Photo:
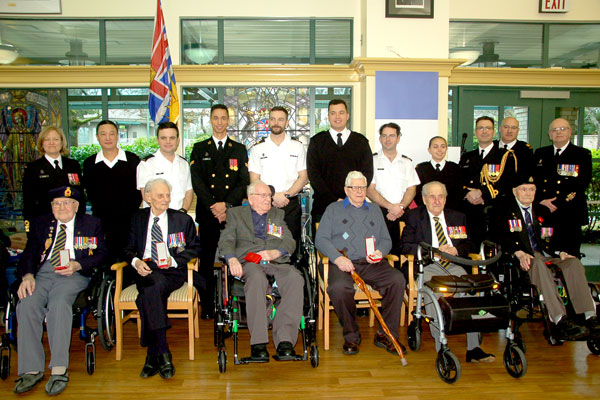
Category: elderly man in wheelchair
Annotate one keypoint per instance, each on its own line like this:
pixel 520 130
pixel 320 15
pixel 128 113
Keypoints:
pixel 522 233
pixel 55 266
pixel 256 243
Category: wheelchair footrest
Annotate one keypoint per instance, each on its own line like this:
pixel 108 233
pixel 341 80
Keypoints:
pixel 295 357
pixel 248 360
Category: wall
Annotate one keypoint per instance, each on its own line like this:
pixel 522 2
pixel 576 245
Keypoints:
pixel 522 10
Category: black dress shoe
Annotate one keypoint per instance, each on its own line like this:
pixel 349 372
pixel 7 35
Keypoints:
pixel 165 366
pixel 569 330
pixel 593 326
pixel 259 352
pixel 285 351
pixel 150 367
pixel 350 348
pixel 477 355
pixel 381 340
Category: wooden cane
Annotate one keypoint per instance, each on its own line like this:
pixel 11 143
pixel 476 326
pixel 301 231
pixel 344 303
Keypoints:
pixel 363 286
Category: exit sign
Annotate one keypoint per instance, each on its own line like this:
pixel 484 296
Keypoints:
pixel 554 6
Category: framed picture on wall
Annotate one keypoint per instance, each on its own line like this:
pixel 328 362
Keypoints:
pixel 409 8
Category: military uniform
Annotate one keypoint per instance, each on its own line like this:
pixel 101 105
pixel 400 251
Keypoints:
pixel 471 165
pixel 217 176
pixel 177 173
pixel 523 152
pixel 565 177
pixel 449 174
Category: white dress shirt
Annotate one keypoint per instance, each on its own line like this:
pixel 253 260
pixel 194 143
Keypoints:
pixel 334 135
pixel 120 157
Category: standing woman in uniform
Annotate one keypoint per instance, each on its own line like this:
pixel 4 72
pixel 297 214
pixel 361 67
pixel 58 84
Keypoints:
pixel 53 169
pixel 110 182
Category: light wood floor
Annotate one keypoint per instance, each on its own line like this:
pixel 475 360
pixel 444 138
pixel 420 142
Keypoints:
pixel 566 372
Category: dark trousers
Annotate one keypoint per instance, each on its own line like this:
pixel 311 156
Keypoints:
pixel 389 282
pixel 154 291
pixel 209 230
pixel 293 218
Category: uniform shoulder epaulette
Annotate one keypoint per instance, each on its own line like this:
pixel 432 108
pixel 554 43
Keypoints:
pixel 148 157
pixel 262 140
pixel 528 145
pixel 375 154
pixel 295 138
pixel 407 157
pixel 182 157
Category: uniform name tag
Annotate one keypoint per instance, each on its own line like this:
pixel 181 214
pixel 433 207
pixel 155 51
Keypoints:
pixel 515 225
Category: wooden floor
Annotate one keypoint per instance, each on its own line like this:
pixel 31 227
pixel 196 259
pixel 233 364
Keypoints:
pixel 566 372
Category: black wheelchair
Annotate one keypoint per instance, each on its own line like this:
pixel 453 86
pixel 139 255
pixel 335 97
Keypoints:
pixel 487 312
pixel 525 296
pixel 230 312
pixel 97 301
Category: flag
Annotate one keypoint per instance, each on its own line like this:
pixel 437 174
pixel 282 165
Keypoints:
pixel 162 101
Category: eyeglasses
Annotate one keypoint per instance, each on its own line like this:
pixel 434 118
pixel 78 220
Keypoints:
pixel 357 188
pixel 510 127
pixel 262 195
pixel 62 203
pixel 559 129
pixel 484 128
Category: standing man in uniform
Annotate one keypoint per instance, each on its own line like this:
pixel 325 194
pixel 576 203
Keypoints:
pixel 563 172
pixel 487 178
pixel 280 161
pixel 332 155
pixel 166 164
pixel 395 182
pixel 509 132
pixel 219 169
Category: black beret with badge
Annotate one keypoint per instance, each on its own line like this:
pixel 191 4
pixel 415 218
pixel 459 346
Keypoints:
pixel 523 179
pixel 68 192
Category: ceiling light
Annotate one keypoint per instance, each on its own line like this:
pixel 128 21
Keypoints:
pixel 198 53
pixel 466 54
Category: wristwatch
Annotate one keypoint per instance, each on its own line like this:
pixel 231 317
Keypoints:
pixel 228 205
pixel 183 210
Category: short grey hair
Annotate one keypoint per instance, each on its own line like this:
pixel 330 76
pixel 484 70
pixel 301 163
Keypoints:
pixel 429 185
pixel 152 182
pixel 252 186
pixel 354 175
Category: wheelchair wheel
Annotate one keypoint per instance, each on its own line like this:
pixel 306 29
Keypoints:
pixel 413 334
pixel 592 344
pixel 5 367
pixel 222 360
pixel 90 362
pixel 314 355
pixel 106 314
pixel 448 366
pixel 515 361
pixel 519 342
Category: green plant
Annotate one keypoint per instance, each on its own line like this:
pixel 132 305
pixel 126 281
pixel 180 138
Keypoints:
pixel 82 152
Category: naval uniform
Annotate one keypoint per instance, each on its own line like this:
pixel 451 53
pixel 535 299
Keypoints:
pixel 523 152
pixel 217 176
pixel 279 165
pixel 566 177
pixel 391 180
pixel 446 172
pixel 177 173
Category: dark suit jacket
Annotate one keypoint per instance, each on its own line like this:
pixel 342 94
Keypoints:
pixel 178 222
pixel 41 239
pixel 418 229
pixel 524 153
pixel 568 190
pixel 450 175
pixel 519 240
pixel 327 166
pixel 238 237
pixel 214 178
pixel 39 177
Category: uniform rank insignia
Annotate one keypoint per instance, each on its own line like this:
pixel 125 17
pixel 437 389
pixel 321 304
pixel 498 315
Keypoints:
pixel 515 225
pixel 274 230
pixel 547 233
pixel 177 240
pixel 457 232
pixel 233 164
pixel 567 170
pixel 73 179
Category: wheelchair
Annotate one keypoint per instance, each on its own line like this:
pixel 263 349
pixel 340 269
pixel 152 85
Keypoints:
pixel 527 296
pixel 230 313
pixel 96 300
pixel 488 312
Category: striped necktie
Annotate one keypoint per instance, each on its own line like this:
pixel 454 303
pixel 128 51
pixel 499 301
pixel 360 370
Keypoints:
pixel 439 231
pixel 157 237
pixel 61 239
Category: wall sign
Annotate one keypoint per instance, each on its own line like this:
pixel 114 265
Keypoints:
pixel 30 6
pixel 554 6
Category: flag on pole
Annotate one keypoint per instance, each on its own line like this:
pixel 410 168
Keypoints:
pixel 162 101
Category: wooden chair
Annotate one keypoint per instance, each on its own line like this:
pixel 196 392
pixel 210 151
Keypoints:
pixel 184 301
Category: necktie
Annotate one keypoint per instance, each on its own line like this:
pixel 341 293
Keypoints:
pixel 557 152
pixel 339 141
pixel 530 229
pixel 481 155
pixel 505 147
pixel 56 165
pixel 157 237
pixel 439 231
pixel 437 167
pixel 220 147
pixel 61 239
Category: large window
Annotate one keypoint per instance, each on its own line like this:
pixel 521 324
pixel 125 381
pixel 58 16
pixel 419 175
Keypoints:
pixel 272 41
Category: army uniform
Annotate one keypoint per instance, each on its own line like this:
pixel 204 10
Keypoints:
pixel 565 177
pixel 217 176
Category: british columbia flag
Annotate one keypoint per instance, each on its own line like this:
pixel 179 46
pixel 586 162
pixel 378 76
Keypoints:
pixel 162 101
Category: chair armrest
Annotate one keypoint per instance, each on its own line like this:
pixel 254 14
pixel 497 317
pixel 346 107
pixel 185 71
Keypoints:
pixel 475 268
pixel 192 266
pixel 118 266
pixel 392 258
pixel 119 279
pixel 325 261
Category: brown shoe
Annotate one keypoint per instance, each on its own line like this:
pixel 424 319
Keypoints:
pixel 381 340
pixel 350 348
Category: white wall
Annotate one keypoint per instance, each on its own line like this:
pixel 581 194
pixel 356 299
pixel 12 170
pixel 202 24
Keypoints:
pixel 522 10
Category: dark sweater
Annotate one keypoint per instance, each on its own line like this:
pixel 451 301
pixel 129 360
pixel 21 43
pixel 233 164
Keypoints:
pixel 450 176
pixel 327 166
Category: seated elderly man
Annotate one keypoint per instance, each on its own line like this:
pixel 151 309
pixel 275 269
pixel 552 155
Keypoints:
pixel 522 233
pixel 153 230
pixel 446 230
pixel 55 266
pixel 345 229
pixel 260 229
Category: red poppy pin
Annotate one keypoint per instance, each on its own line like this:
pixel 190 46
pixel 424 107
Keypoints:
pixel 540 220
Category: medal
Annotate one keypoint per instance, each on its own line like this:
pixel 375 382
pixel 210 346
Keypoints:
pixel 515 225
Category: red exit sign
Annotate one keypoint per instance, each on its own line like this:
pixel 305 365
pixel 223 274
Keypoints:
pixel 554 6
